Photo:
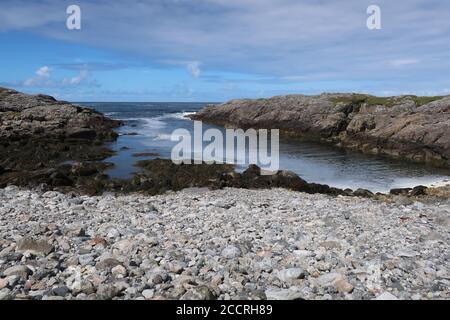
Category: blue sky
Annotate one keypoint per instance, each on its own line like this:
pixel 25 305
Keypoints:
pixel 216 50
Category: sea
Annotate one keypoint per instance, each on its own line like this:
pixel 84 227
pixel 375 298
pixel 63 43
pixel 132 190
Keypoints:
pixel 148 127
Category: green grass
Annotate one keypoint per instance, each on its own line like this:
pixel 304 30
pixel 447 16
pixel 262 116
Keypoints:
pixel 359 99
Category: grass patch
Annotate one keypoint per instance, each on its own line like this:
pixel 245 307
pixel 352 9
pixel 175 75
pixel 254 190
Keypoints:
pixel 359 99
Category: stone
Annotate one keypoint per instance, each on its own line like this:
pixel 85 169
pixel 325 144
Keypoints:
pixel 3 283
pixel 343 286
pixel 5 294
pixel 283 294
pixel 82 286
pixel 302 254
pixel 36 247
pixel 20 270
pixel 119 271
pixel 106 291
pixel 400 191
pixel 406 253
pixel 419 191
pixel 176 267
pixel 107 263
pixel 230 252
pixel 386 296
pixel 199 293
pixel 363 193
pixel 61 291
pixel 328 279
pixel 290 274
pixel 148 294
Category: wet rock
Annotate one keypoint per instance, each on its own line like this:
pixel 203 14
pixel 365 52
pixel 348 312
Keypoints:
pixel 363 193
pixel 400 191
pixel 419 191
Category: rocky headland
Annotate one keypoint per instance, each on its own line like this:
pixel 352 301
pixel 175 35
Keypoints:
pixel 407 127
pixel 39 133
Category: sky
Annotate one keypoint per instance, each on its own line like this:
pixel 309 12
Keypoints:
pixel 217 50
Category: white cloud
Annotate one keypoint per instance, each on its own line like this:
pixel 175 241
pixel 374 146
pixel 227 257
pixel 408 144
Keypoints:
pixel 403 62
pixel 43 72
pixel 194 68
pixel 78 79
pixel 41 78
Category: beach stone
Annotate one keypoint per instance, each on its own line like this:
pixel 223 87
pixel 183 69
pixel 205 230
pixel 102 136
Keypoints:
pixel 329 279
pixel 119 271
pixel 386 296
pixel 3 283
pixel 20 270
pixel 283 294
pixel 5 294
pixel 290 274
pixel 231 252
pixel 302 254
pixel 148 294
pixel 33 246
pixel 107 263
pixel 106 291
pixel 199 293
pixel 406 253
pixel 343 286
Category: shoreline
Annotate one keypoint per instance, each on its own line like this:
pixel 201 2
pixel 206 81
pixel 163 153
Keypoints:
pixel 70 156
pixel 221 244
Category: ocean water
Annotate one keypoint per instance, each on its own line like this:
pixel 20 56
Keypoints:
pixel 148 128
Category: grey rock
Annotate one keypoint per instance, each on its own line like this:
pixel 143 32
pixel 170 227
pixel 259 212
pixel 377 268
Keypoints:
pixel 231 252
pixel 283 294
pixel 21 271
pixel 290 274
pixel 36 247
pixel 199 293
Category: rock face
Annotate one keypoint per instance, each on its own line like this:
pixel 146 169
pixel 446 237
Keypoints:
pixel 25 116
pixel 415 128
pixel 38 133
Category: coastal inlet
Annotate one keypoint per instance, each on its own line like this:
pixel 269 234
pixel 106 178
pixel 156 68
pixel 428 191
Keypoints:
pixel 148 127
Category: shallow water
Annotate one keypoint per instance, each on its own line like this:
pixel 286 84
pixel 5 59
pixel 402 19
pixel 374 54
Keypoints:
pixel 153 124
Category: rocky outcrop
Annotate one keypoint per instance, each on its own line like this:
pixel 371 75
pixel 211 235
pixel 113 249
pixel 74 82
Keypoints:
pixel 39 133
pixel 410 127
pixel 25 116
